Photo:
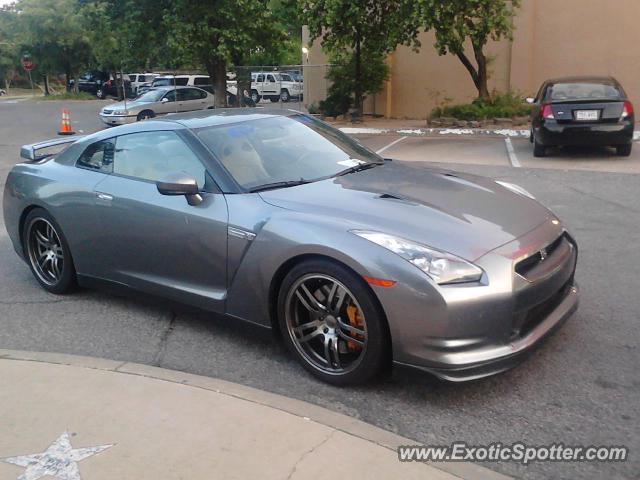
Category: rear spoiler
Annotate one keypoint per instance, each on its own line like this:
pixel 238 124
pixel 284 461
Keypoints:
pixel 30 152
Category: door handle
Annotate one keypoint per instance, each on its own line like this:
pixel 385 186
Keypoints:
pixel 104 196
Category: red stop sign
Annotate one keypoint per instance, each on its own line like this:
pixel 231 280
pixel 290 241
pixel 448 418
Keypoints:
pixel 27 63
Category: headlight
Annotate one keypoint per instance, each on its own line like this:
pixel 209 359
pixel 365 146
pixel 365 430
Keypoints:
pixel 515 188
pixel 442 267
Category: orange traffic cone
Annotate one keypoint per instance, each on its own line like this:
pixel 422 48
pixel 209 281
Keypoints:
pixel 65 124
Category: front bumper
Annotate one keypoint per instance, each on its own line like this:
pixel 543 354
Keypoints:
pixel 553 133
pixel 113 120
pixel 466 332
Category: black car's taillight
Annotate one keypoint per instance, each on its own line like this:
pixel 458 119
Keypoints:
pixel 627 109
pixel 545 111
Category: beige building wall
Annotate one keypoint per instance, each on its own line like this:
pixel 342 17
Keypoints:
pixel 552 38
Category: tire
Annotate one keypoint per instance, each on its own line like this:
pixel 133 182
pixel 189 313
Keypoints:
pixel 333 351
pixel 531 136
pixel 274 99
pixel 255 97
pixel 143 115
pixel 624 150
pixel 539 150
pixel 56 273
pixel 101 94
pixel 284 96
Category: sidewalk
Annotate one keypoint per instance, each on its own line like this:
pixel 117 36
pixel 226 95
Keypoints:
pixel 102 419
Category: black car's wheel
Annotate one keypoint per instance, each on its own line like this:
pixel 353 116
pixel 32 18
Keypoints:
pixel 254 96
pixel 143 115
pixel 48 253
pixel 531 136
pixel 101 94
pixel 624 150
pixel 331 322
pixel 539 150
pixel 284 96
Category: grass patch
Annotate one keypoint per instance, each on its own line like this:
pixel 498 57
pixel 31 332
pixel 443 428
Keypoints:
pixel 503 105
pixel 70 96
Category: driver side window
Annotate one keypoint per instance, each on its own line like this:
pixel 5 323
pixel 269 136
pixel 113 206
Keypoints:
pixel 151 156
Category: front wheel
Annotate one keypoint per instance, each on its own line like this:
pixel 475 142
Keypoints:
pixel 48 253
pixel 284 96
pixel 624 150
pixel 101 94
pixel 143 115
pixel 332 323
pixel 254 96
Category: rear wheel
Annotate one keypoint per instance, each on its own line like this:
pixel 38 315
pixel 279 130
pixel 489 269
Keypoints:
pixel 254 96
pixel 100 93
pixel 624 150
pixel 284 96
pixel 539 150
pixel 332 323
pixel 48 253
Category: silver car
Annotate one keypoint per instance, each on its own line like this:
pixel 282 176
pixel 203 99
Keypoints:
pixel 275 218
pixel 157 101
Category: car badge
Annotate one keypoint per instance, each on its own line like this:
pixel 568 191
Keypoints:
pixel 543 254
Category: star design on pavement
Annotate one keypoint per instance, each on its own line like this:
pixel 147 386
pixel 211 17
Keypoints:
pixel 58 461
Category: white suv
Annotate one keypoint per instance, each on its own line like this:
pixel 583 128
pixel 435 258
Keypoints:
pixel 275 86
pixel 138 79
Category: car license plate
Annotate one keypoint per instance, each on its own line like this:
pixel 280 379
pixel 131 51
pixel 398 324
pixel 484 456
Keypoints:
pixel 586 114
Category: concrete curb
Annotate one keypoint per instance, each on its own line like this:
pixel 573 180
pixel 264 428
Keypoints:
pixel 449 132
pixel 343 423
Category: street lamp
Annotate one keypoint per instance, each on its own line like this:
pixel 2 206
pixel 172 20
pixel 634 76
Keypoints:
pixel 305 52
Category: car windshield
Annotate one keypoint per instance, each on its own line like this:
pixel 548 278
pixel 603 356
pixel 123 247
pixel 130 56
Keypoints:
pixel 584 91
pixel 150 96
pixel 284 149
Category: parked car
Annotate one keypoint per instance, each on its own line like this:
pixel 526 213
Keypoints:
pixel 102 84
pixel 157 101
pixel 201 81
pixel 278 219
pixel 274 86
pixel 591 111
pixel 139 79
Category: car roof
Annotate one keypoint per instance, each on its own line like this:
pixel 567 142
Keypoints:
pixel 605 80
pixel 176 87
pixel 224 116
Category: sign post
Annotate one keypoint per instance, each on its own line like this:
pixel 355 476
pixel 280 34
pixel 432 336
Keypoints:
pixel 28 65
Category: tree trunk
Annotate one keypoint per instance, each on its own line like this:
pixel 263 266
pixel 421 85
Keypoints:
pixel 358 77
pixel 45 78
pixel 217 70
pixel 482 77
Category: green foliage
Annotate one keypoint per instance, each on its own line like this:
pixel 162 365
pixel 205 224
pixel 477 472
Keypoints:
pixel 340 97
pixel 507 105
pixel 477 21
pixel 70 96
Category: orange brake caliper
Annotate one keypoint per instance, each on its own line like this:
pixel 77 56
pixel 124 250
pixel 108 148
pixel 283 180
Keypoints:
pixel 355 319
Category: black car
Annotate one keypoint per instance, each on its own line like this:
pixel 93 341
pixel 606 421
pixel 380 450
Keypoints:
pixel 576 111
pixel 102 84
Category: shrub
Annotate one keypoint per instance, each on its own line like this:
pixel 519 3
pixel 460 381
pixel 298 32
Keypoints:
pixel 69 96
pixel 506 105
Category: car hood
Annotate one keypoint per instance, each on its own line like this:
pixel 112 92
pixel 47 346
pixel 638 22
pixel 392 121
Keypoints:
pixel 463 214
pixel 130 105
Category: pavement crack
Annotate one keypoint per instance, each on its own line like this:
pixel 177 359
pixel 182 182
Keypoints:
pixel 309 452
pixel 164 340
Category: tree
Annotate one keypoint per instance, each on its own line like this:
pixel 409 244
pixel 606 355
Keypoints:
pixel 53 32
pixel 456 22
pixel 214 33
pixel 374 26
pixel 9 56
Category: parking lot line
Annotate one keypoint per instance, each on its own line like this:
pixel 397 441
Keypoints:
pixel 390 145
pixel 512 154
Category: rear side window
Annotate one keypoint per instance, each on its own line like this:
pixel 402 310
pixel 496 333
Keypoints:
pixel 182 81
pixel 201 81
pixel 584 91
pixel 98 156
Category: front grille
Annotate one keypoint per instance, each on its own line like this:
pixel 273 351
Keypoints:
pixel 525 266
pixel 538 313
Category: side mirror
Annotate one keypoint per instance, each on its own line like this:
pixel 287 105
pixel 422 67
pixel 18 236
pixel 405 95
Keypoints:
pixel 530 100
pixel 180 184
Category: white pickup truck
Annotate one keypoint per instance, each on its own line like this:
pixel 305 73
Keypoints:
pixel 275 86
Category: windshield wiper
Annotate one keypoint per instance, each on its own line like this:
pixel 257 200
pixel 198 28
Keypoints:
pixel 284 184
pixel 357 168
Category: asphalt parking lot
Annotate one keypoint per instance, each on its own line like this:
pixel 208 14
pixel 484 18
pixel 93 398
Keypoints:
pixel 581 388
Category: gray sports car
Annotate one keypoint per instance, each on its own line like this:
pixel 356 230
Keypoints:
pixel 275 218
